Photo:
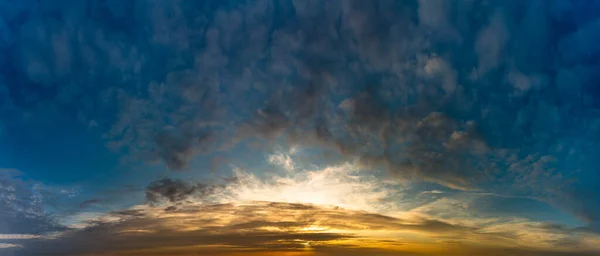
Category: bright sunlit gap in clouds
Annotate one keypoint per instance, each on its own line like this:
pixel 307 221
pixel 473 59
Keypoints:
pixel 311 210
pixel 344 186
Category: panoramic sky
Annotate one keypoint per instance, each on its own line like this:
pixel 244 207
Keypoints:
pixel 305 127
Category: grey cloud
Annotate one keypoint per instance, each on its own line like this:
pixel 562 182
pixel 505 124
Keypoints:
pixel 175 191
pixel 128 213
pixel 490 44
pixel 437 149
pixel 89 202
pixel 176 150
pixel 171 190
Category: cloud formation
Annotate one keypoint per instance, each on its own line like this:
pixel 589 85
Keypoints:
pixel 174 191
pixel 280 227
pixel 22 211
pixel 471 95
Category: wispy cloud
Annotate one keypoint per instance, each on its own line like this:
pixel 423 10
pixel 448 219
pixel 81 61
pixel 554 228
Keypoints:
pixel 17 236
pixel 283 160
pixel 23 208
pixel 8 246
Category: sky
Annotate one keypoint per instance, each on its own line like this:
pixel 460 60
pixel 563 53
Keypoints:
pixel 299 127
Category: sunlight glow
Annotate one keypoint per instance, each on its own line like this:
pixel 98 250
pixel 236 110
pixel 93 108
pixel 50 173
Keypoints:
pixel 342 186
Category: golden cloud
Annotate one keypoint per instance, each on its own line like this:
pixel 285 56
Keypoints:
pixel 259 227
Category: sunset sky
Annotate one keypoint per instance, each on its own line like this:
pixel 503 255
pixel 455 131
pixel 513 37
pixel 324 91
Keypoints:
pixel 304 127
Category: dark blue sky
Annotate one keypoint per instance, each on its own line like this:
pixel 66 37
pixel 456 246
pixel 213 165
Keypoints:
pixel 492 103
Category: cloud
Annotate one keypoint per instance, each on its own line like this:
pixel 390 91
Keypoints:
pixel 259 226
pixel 89 202
pixel 174 191
pixel 219 224
pixel 490 44
pixel 297 212
pixel 17 236
pixel 282 160
pixel 342 185
pixel 22 208
pixel 457 94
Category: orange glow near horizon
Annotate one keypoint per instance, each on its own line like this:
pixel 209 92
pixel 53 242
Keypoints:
pixel 338 210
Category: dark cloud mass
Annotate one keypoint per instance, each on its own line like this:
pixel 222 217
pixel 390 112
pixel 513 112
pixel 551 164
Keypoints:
pixel 174 191
pixel 500 95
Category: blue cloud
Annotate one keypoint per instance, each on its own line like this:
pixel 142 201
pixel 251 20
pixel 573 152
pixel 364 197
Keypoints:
pixel 22 207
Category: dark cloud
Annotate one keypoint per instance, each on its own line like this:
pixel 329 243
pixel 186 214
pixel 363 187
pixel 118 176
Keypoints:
pixel 89 202
pixel 175 191
pixel 175 150
pixel 171 190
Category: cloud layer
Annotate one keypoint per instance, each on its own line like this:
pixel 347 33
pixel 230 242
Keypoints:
pixel 335 210
pixel 489 96
pixel 285 227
